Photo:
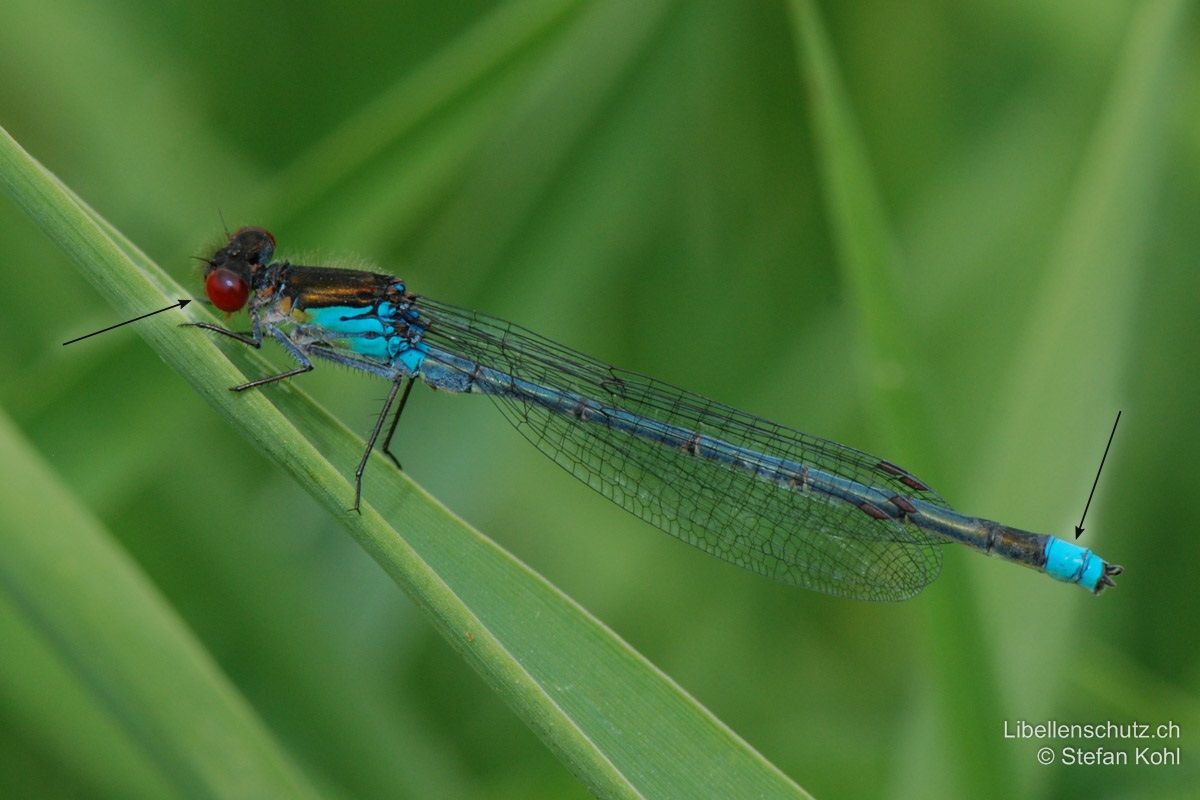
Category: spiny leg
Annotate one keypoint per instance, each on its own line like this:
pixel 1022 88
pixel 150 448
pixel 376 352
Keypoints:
pixel 294 351
pixel 252 338
pixel 387 441
pixel 255 340
pixel 362 462
pixel 291 373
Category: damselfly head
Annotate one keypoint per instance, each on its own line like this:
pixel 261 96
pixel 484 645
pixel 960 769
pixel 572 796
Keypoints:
pixel 230 273
pixel 253 245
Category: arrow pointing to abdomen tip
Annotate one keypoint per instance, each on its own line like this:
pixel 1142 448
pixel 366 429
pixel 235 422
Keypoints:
pixel 1079 527
pixel 180 304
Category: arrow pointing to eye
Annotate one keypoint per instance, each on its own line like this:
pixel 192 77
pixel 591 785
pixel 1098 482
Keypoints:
pixel 180 304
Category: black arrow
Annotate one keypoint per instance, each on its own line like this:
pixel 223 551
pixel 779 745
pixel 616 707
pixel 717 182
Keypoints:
pixel 180 304
pixel 1079 527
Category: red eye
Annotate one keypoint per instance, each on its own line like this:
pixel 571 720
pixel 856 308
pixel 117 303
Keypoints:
pixel 227 290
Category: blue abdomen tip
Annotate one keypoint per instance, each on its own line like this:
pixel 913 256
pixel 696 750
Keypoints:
pixel 1075 564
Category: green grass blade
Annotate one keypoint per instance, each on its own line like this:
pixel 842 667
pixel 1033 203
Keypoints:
pixel 622 726
pixel 1078 339
pixel 965 690
pixel 119 638
pixel 477 56
pixel 869 257
pixel 66 45
pixel 1089 285
pixel 74 729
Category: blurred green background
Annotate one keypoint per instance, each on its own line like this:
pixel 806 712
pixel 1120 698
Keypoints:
pixel 964 250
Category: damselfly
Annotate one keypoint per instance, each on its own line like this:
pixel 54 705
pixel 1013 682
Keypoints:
pixel 785 504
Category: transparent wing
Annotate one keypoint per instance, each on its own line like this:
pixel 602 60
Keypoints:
pixel 804 538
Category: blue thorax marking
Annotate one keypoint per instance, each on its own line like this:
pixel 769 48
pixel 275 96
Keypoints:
pixel 372 331
pixel 412 356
